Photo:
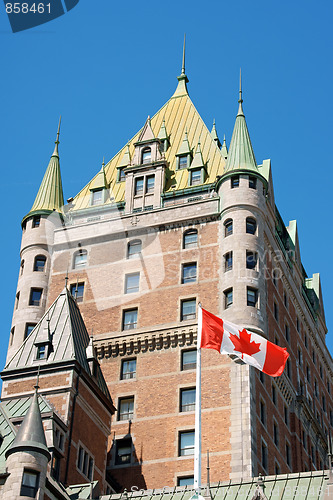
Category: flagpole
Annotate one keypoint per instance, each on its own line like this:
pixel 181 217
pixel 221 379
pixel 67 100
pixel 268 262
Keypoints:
pixel 197 433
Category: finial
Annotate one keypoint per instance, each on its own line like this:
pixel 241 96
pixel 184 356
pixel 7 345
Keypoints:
pixel 240 100
pixel 37 380
pixel 55 152
pixel 183 61
pixel 103 162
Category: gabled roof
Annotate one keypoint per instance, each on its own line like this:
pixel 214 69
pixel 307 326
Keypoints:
pixel 69 339
pixel 177 115
pixel 50 195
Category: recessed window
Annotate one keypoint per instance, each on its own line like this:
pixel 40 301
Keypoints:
pixel 134 249
pixel 186 443
pixel 228 261
pixel 189 272
pixel 251 259
pixel 251 225
pixel 29 485
pixel 126 408
pixel 288 365
pixel 182 161
pixel 262 377
pixel 35 296
pixel 276 311
pixel 228 298
pixel 308 374
pixel 146 155
pixel 252 182
pixel 306 340
pixel 138 186
pixel 228 227
pixel 41 351
pixel 264 455
pixel 85 463
pixel 287 332
pixel 274 398
pixel 185 481
pixel 277 469
pixel 286 416
pixel 22 267
pixel 36 221
pixel 235 181
pixel 275 434
pixel 187 400
pixel 285 300
pixel 297 324
pixel 97 197
pixel 132 282
pixel 130 319
pixel 288 455
pixel 12 331
pixel 188 309
pixel 128 369
pixel 80 259
pixel 17 300
pixel 252 297
pixel 123 451
pixel 189 359
pixel 121 175
pixel 275 277
pixel 300 357
pixel 39 264
pixel 150 183
pixel 195 176
pixel 190 239
pixel 262 412
pixel 28 329
pixel 77 291
pixel 55 467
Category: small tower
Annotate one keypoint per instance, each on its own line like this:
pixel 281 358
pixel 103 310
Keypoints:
pixel 27 457
pixel 36 249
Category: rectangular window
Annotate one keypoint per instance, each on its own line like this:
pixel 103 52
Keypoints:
pixel 288 369
pixel 285 300
pixel 121 175
pixel 275 434
pixel 288 456
pixel 182 161
pixel 186 443
pixel 252 297
pixel 80 260
pixel 123 451
pixel 188 309
pixel 286 416
pixel 132 283
pixel 276 311
pixel 150 183
pixel 128 369
pixel 287 332
pixel 185 481
pixel 97 197
pixel 228 227
pixel 251 259
pixel 77 291
pixel 235 181
pixel 196 176
pixel 252 182
pixel 189 273
pixel 130 319
pixel 187 400
pixel 55 467
pixel 29 486
pixel 264 455
pixel 228 261
pixel 39 264
pixel 262 412
pixel 36 221
pixel 35 296
pixel 28 329
pixel 191 238
pixel 228 298
pixel 126 408
pixel 41 351
pixel 300 357
pixel 274 398
pixel 189 359
pixel 138 187
pixel 134 249
pixel 297 324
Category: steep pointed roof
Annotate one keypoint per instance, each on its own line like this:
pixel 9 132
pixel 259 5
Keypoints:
pixel 179 114
pixel 198 159
pixel 224 148
pixel 126 159
pixel 241 155
pixel 146 133
pixel 69 339
pixel 163 135
pixel 99 182
pixel 185 147
pixel 50 194
pixel 215 135
pixel 31 436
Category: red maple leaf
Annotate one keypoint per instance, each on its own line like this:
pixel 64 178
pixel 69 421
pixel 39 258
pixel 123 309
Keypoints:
pixel 243 343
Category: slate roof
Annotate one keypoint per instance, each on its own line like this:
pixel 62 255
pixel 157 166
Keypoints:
pixel 63 325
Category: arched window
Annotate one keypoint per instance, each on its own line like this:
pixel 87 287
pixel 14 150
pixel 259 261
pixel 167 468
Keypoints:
pixel 146 155
pixel 134 249
pixel 228 227
pixel 80 259
pixel 190 238
pixel 39 264
pixel 251 225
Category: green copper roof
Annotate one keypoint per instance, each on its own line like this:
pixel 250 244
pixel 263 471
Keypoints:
pixel 241 155
pixel 50 195
pixel 214 135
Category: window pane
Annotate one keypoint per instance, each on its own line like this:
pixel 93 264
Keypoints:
pixel 190 239
pixel 251 260
pixel 39 263
pixel 228 261
pixel 80 260
pixel 251 225
pixel 150 183
pixel 132 283
pixel 35 297
pixel 252 182
pixel 185 481
pixel 128 369
pixel 126 409
pixel 97 197
pixel 138 186
pixel 189 273
pixel 189 359
pixel 186 443
pixel 41 352
pixel 28 329
pixel 235 181
pixel 252 297
pixel 36 221
pixel 77 291
pixel 228 227
pixel 124 450
pixel 134 249
pixel 187 400
pixel 188 309
pixel 228 298
pixel 130 319
pixel 196 176
pixel 182 161
pixel 121 175
pixel 146 155
pixel 30 479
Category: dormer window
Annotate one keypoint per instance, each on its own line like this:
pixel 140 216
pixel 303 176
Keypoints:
pixel 41 351
pixel 121 175
pixel 183 161
pixel 97 197
pixel 195 176
pixel 146 155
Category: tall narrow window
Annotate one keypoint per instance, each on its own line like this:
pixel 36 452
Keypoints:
pixel 228 298
pixel 138 187
pixel 17 300
pixel 287 332
pixel 126 408
pixel 228 227
pixel 263 412
pixel 29 486
pixel 288 456
pixel 264 455
pixel 186 443
pixel 251 259
pixel 274 399
pixel 276 311
pixel 39 264
pixel 189 273
pixel 121 175
pixel 36 221
pixel 22 267
pixel 80 259
pixel 228 261
pixel 150 183
pixel 252 182
pixel 188 309
pixel 252 297
pixel 235 181
pixel 251 225
pixel 132 282
pixel 134 249
pixel 130 319
pixel 41 351
pixel 275 434
pixel 190 239
pixel 35 296
pixel 187 400
pixel 128 369
pixel 146 155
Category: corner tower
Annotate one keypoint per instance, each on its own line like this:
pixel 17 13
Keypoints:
pixel 36 249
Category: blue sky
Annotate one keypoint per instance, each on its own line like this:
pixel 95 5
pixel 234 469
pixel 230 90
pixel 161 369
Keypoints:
pixel 106 65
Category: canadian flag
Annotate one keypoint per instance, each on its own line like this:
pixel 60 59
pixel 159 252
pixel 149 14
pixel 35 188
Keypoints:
pixel 228 338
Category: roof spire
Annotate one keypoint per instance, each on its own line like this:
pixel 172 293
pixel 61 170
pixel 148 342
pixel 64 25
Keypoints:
pixel 214 135
pixel 183 62
pixel 240 100
pixel 182 79
pixel 56 152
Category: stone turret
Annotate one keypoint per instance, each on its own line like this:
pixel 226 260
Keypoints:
pixel 36 249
